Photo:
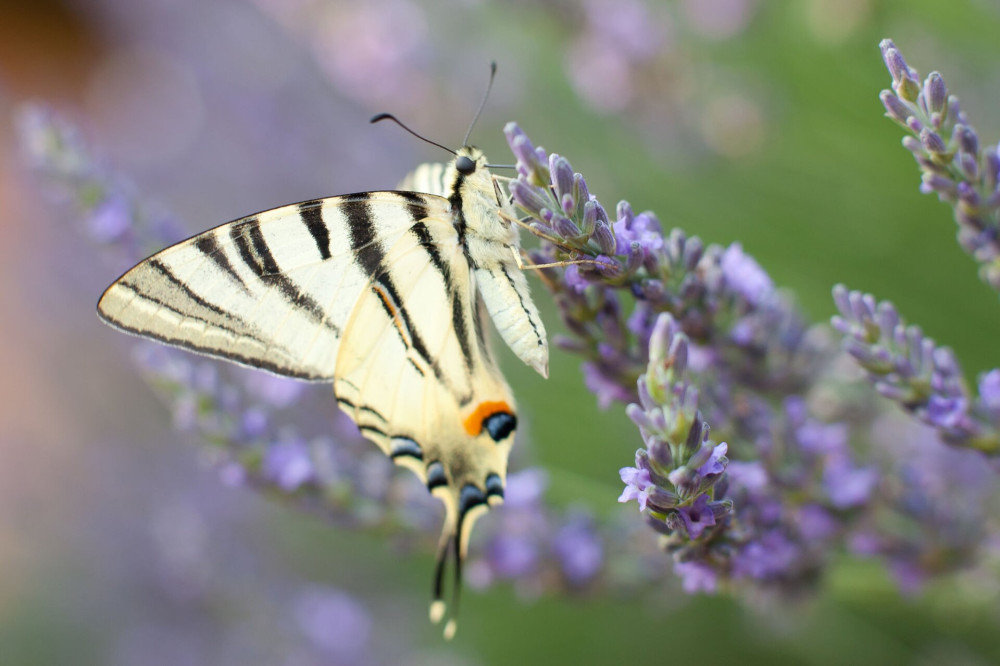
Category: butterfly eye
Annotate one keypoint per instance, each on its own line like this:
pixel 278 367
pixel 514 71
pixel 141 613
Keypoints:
pixel 465 166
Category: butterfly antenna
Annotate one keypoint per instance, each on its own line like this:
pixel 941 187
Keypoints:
pixel 482 104
pixel 389 116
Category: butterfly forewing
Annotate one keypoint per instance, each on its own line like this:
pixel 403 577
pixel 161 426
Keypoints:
pixel 271 290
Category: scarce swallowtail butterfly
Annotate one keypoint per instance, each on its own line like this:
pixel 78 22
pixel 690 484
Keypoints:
pixel 383 294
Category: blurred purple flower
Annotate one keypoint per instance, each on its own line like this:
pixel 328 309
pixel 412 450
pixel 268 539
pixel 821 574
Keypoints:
pixel 849 486
pixel 744 275
pixel 697 577
pixel 579 549
pixel 334 622
pixel 288 464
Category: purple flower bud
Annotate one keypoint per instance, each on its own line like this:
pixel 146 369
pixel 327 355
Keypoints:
pixel 967 139
pixel 915 125
pixel 580 188
pixel 625 215
pixel 635 257
pixel 603 235
pixel 661 500
pixel 932 141
pixel 527 155
pixel 894 61
pixel 847 486
pixel 935 93
pixel 565 227
pixel 639 417
pixel 968 195
pixel 568 204
pixel 659 452
pixel 932 182
pixel 912 145
pixel 895 108
pixel 562 175
pixel 697 434
pixel 530 198
pixel 991 169
pixel 969 166
pixel 588 220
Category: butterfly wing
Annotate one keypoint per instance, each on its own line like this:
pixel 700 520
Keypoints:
pixel 272 290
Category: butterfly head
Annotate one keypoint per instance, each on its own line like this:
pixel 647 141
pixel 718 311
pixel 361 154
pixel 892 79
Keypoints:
pixel 469 161
pixel 469 480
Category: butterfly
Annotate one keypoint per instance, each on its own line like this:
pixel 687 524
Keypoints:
pixel 384 294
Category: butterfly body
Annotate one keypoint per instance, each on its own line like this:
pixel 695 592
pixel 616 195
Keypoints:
pixel 384 294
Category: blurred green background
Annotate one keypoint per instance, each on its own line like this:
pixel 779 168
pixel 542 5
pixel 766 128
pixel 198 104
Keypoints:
pixel 756 121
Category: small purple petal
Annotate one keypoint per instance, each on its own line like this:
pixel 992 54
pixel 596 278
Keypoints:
pixel 717 463
pixel 697 517
pixel 637 485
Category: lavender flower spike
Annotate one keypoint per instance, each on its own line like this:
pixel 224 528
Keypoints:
pixel 912 370
pixel 675 477
pixel 948 151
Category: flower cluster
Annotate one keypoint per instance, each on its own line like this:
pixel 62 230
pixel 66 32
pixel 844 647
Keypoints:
pixel 708 339
pixel 954 165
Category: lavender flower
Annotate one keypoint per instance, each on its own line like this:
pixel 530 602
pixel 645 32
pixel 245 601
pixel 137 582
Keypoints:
pixel 912 370
pixel 709 339
pixel 111 214
pixel 953 163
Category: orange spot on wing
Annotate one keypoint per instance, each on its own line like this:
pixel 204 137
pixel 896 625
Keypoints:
pixel 474 422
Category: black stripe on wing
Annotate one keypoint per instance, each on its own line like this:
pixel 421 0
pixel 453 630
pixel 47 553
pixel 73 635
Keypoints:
pixel 255 253
pixel 370 257
pixel 527 313
pixel 209 246
pixel 195 298
pixel 311 213
pixel 426 241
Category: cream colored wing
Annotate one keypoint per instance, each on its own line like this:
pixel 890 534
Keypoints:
pixel 272 290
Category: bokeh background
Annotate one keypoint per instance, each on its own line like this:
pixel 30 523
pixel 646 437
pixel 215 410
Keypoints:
pixel 746 120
